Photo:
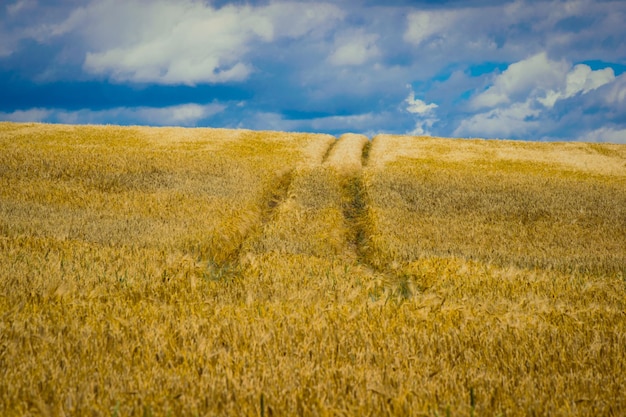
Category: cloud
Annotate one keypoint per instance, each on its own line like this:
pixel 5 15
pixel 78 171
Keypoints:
pixel 520 103
pixel 418 106
pixel 422 25
pixel 184 114
pixel 580 79
pixel 184 42
pixel 12 33
pixel 521 69
pixel 20 6
pixel 424 112
pixel 364 123
pixel 536 73
pixel 293 19
pixel 583 79
pixel 354 48
pixel 513 121
pixel 616 96
pixel 510 31
pixel 544 79
pixel 30 115
pixel 180 115
pixel 348 123
pixel 605 134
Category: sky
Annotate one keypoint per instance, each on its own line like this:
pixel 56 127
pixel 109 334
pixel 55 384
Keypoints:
pixel 523 69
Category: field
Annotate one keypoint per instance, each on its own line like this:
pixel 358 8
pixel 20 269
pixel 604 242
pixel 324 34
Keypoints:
pixel 169 271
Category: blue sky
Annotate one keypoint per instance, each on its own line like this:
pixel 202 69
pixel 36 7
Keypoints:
pixel 534 70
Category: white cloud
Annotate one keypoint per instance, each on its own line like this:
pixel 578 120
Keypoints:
pixel 181 44
pixel 424 113
pixel 516 120
pixel 520 101
pixel 510 31
pixel 422 127
pixel 456 34
pixel 179 115
pixel 583 79
pixel 291 19
pixel 349 122
pixel 536 73
pixel 616 96
pixel 184 42
pixel 30 115
pixel 422 25
pixel 339 56
pixel 580 79
pixel 418 106
pixel 20 6
pixel 546 80
pixel 365 123
pixel 354 48
pixel 605 134
pixel 184 114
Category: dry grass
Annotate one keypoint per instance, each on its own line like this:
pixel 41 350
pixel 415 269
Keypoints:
pixel 205 272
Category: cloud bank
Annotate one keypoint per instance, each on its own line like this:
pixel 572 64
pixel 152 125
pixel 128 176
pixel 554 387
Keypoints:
pixel 180 115
pixel 520 69
pixel 522 99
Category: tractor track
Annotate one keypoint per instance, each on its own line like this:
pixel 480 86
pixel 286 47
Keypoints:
pixel 355 211
pixel 328 151
pixel 275 195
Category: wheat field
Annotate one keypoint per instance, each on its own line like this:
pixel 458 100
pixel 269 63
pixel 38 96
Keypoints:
pixel 170 271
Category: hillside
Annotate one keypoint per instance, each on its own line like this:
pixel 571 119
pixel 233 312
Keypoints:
pixel 171 271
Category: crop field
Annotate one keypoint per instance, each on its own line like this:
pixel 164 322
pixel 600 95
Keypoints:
pixel 170 271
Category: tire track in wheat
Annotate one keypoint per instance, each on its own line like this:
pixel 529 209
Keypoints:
pixel 348 158
pixel 328 152
pixel 280 197
pixel 273 194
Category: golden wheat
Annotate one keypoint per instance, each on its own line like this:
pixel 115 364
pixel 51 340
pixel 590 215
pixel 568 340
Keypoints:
pixel 346 156
pixel 211 272
pixel 425 201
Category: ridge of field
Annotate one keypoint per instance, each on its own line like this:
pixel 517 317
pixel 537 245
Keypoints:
pixel 167 271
